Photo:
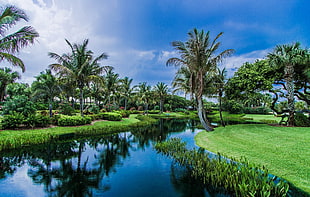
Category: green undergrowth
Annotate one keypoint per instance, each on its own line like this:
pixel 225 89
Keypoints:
pixel 283 150
pixel 10 139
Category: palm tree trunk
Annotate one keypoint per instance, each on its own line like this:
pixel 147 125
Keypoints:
pixel 289 72
pixel 202 117
pixel 220 109
pixel 81 102
pixel 161 105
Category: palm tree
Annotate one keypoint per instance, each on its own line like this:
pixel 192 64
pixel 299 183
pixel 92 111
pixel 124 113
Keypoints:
pixel 198 54
pixel 47 87
pixel 12 43
pixel 288 56
pixel 111 84
pixel 144 94
pixel 7 76
pixel 79 66
pixel 161 90
pixel 127 90
pixel 220 83
pixel 182 82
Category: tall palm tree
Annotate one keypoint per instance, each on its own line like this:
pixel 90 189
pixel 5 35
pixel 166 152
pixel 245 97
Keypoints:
pixel 198 54
pixel 79 66
pixel 47 87
pixel 288 56
pixel 220 83
pixel 111 85
pixel 12 43
pixel 161 90
pixel 182 82
pixel 127 90
pixel 7 76
pixel 144 94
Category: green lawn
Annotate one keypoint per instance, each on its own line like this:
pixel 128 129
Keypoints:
pixel 285 151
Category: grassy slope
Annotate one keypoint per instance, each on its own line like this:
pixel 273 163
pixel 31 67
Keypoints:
pixel 285 151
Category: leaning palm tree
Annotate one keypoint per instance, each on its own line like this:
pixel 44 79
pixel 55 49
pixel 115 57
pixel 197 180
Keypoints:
pixel 12 43
pixel 161 90
pixel 288 56
pixel 79 66
pixel 198 54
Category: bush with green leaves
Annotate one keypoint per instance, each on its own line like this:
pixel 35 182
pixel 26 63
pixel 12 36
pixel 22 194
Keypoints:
pixel 65 120
pixel 66 109
pixel 112 116
pixel 301 120
pixel 19 104
pixel 94 109
pixel 124 113
pixel 232 107
pixel 37 120
pixel 12 121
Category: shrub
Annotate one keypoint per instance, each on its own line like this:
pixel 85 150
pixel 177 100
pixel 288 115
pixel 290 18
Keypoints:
pixel 37 121
pixel 256 110
pixel 74 120
pixel 66 109
pixel 233 107
pixel 124 113
pixel 301 120
pixel 94 109
pixel 111 116
pixel 154 111
pixel 20 104
pixel 12 121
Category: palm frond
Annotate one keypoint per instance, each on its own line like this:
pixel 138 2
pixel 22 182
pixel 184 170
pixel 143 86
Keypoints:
pixel 15 61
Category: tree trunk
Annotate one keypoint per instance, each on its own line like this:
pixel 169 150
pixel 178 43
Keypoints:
pixel 161 105
pixel 202 117
pixel 220 109
pixel 289 72
pixel 81 102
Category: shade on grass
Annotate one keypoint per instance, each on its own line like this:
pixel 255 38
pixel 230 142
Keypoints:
pixel 285 151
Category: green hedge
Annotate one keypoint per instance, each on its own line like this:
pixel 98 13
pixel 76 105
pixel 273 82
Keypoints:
pixel 73 120
pixel 17 120
pixel 111 116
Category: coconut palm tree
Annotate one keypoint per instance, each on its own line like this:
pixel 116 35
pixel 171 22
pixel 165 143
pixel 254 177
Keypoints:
pixel 7 76
pixel 198 54
pixel 12 43
pixel 127 90
pixel 182 82
pixel 111 85
pixel 144 94
pixel 287 57
pixel 47 87
pixel 79 67
pixel 219 84
pixel 161 90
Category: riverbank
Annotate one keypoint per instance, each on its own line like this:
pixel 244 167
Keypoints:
pixel 18 138
pixel 283 150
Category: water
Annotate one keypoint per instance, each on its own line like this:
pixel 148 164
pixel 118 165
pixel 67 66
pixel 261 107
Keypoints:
pixel 124 165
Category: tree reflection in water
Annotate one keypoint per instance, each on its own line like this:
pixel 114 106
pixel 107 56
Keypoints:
pixel 79 167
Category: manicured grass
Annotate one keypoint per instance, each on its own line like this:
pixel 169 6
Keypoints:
pixel 285 151
pixel 18 138
pixel 259 117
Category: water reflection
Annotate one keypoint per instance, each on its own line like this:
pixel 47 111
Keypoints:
pixel 88 167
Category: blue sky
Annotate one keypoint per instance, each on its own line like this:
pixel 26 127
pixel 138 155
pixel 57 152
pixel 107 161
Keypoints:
pixel 136 34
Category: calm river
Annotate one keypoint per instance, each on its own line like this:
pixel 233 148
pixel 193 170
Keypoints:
pixel 122 165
